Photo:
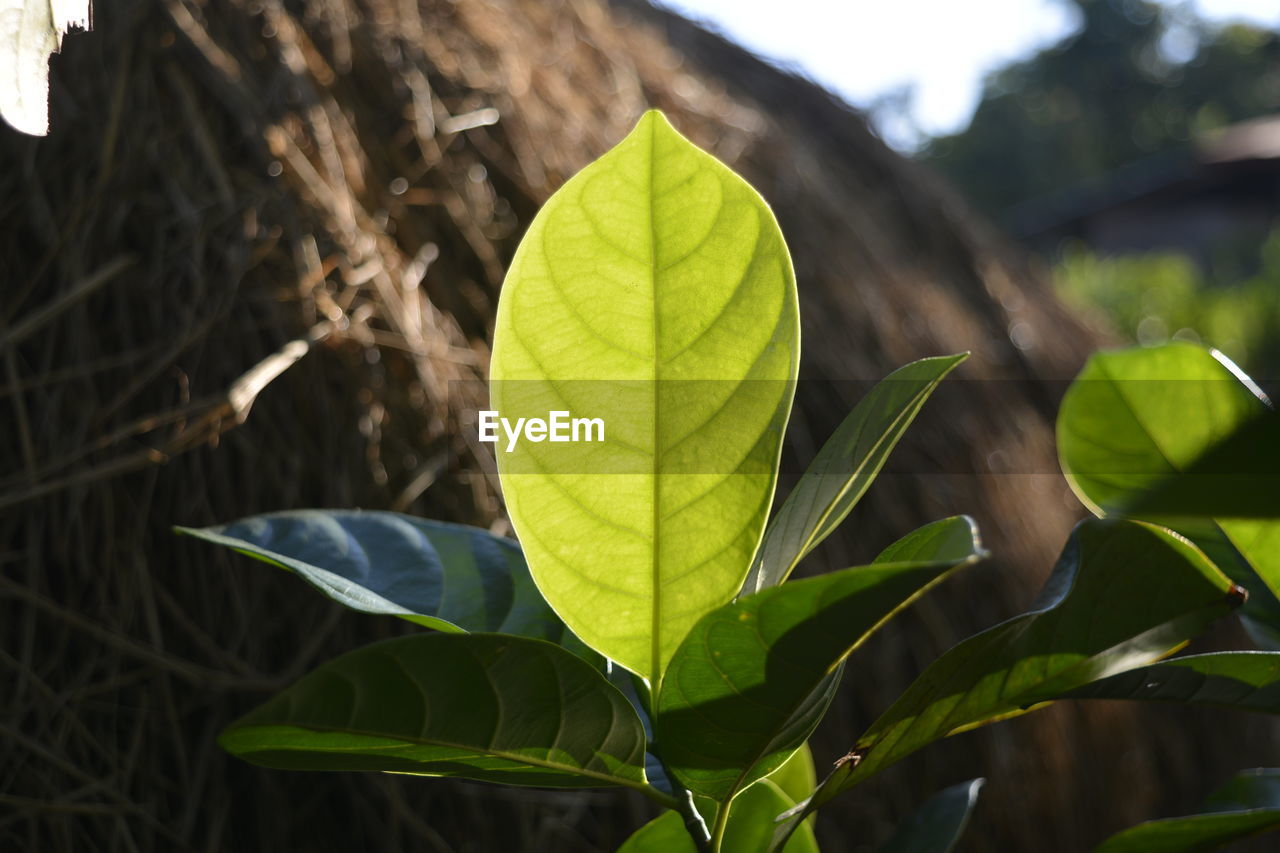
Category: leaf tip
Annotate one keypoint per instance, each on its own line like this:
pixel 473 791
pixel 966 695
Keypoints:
pixel 654 124
pixel 654 118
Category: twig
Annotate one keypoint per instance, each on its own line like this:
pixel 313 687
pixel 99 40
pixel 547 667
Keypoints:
pixel 42 316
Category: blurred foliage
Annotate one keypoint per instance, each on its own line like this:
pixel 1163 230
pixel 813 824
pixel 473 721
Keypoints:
pixel 1150 298
pixel 1136 79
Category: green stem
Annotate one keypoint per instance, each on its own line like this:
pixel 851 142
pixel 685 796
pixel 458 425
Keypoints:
pixel 722 821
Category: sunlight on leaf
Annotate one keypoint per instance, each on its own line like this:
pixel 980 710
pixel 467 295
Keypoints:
pixel 654 292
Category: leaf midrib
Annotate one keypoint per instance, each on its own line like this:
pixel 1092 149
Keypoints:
pixel 655 640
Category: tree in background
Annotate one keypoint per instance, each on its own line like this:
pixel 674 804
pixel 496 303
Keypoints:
pixel 1137 78
pixel 1152 297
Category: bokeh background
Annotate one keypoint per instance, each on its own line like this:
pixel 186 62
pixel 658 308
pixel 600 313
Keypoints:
pixel 254 267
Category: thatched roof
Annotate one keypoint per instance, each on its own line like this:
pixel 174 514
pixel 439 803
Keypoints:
pixel 254 267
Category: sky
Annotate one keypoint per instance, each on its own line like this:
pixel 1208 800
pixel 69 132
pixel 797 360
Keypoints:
pixel 941 49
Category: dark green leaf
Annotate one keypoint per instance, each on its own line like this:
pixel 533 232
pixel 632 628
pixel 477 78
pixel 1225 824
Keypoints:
pixel 1237 478
pixel 1162 433
pixel 1122 594
pixel 444 576
pixel 752 678
pixel 1248 681
pixel 1247 805
pixel 938 823
pixel 480 706
pixel 844 468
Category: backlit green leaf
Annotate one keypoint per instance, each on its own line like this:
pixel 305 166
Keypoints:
pixel 479 706
pixel 1248 805
pixel 753 678
pixel 938 823
pixel 1122 595
pixel 652 292
pixel 797 776
pixel 664 834
pixel 750 825
pixel 1248 681
pixel 844 468
pixel 444 576
pixel 752 817
pixel 1159 433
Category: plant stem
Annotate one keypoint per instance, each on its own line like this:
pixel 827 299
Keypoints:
pixel 683 803
pixel 694 824
pixel 717 831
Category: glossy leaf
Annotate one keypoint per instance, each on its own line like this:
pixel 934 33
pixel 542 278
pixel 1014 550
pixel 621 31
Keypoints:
pixel 444 576
pixel 844 468
pixel 1247 681
pixel 652 292
pixel 489 707
pixel 750 825
pixel 1157 433
pixel 938 823
pixel 1248 805
pixel 1098 614
pixel 753 678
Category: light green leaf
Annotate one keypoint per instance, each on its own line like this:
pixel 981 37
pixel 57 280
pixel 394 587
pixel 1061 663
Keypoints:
pixel 938 823
pixel 664 834
pixel 942 541
pixel 844 468
pixel 444 576
pixel 652 292
pixel 1122 595
pixel 753 678
pixel 1247 681
pixel 489 707
pixel 752 817
pixel 1154 432
pixel 796 777
pixel 1248 805
pixel 750 825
